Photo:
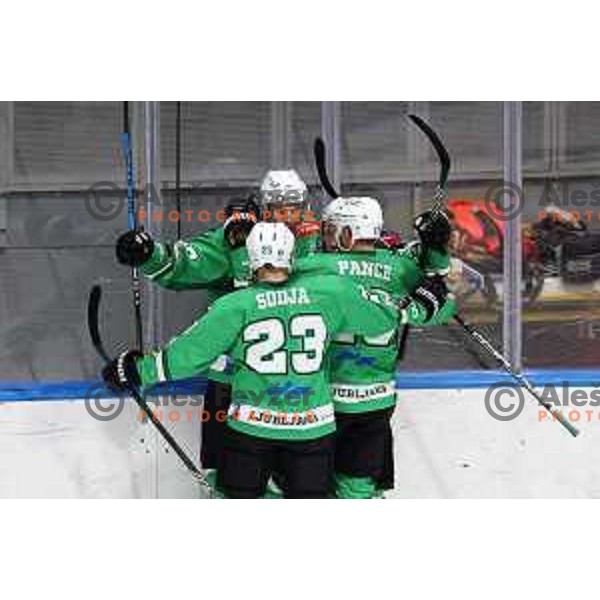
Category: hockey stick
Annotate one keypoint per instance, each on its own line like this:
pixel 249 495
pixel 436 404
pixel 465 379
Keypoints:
pixel 519 377
pixel 321 162
pixel 439 196
pixel 443 157
pixel 132 224
pixel 94 330
pixel 93 311
pixel 439 199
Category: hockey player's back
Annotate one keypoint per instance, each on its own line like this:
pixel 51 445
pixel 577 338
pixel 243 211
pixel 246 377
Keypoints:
pixel 277 335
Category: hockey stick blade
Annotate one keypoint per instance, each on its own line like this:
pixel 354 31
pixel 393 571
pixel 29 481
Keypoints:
pixel 94 330
pixel 439 147
pixel 93 322
pixel 320 161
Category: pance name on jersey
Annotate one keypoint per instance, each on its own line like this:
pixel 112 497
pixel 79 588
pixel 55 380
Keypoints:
pixel 282 297
pixel 365 268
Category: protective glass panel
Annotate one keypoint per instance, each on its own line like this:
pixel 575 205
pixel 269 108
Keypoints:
pixel 385 155
pixel 561 230
pixel 53 246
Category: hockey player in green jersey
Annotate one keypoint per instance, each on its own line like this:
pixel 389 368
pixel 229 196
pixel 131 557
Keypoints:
pixel 277 332
pixel 218 260
pixel 363 368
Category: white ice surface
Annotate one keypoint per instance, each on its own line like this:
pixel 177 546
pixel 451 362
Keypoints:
pixel 54 449
pixel 446 446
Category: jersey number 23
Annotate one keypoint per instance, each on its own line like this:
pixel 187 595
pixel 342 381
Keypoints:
pixel 267 354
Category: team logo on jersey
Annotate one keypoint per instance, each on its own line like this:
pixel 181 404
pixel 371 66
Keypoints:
pixel 356 357
pixel 288 392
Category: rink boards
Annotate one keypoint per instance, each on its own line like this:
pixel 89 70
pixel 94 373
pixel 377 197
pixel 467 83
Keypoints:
pixel 446 446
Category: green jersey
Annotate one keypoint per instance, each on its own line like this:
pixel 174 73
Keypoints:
pixel 363 368
pixel 277 336
pixel 200 262
pixel 207 261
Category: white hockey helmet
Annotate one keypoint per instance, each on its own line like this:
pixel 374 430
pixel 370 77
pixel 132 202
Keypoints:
pixel 282 187
pixel 270 244
pixel 362 215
